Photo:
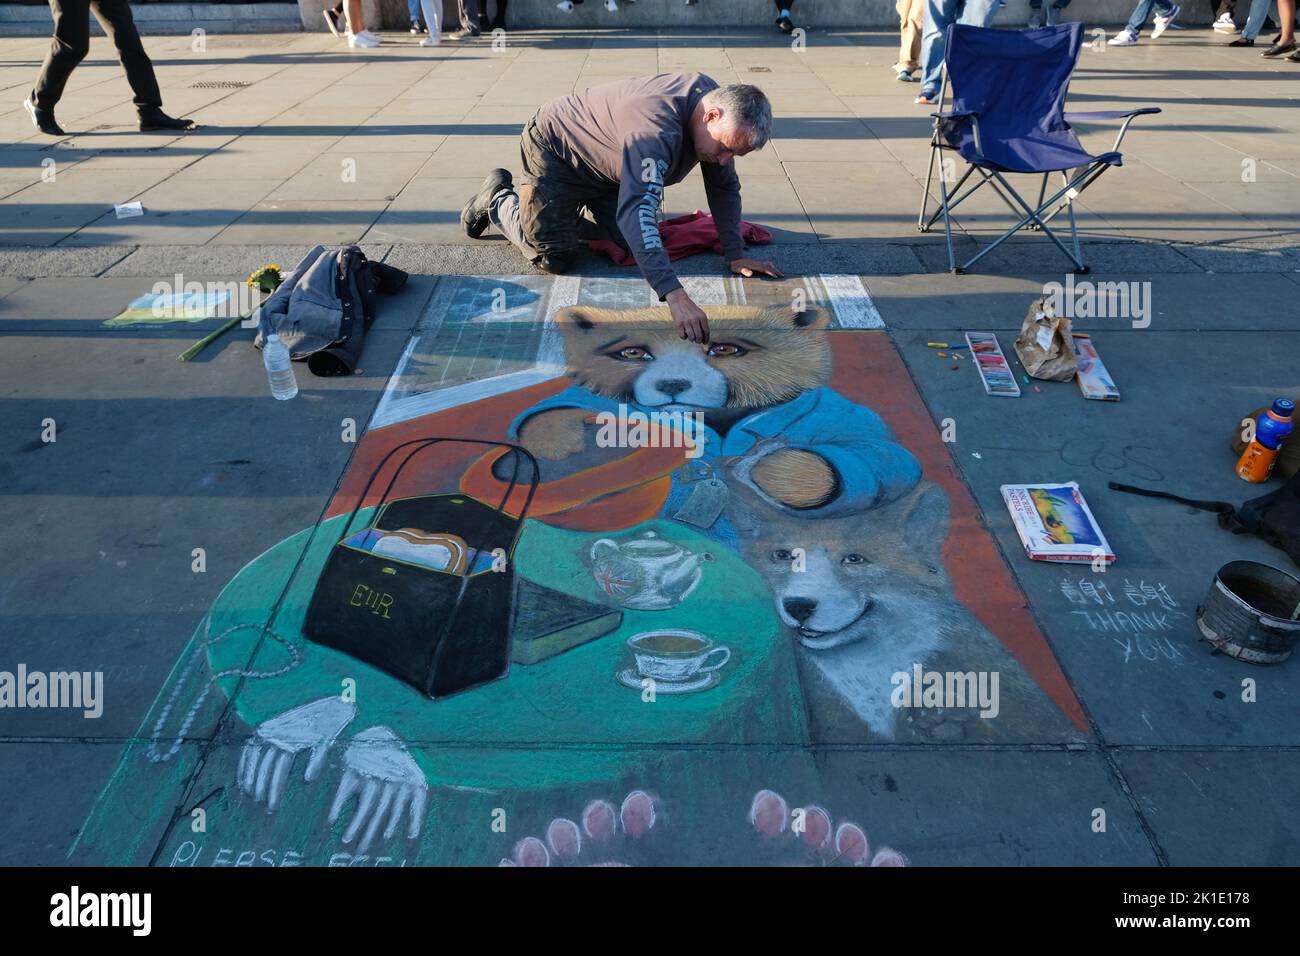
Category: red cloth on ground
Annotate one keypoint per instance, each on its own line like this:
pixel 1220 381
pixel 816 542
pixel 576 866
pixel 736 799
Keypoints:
pixel 685 236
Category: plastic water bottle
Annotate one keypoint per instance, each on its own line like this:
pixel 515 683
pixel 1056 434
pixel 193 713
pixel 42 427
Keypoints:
pixel 279 368
pixel 1256 462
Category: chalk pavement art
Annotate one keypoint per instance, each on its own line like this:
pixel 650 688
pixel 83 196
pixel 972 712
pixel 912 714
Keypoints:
pixel 508 640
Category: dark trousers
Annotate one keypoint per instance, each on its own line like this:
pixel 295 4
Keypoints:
pixel 553 209
pixel 71 43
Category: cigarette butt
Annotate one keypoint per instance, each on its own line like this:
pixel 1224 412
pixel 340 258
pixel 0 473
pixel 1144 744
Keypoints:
pixel 941 354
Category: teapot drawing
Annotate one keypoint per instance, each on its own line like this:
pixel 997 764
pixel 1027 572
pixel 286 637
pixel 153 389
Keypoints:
pixel 646 573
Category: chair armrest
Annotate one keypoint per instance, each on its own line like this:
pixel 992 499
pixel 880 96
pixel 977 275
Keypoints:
pixel 971 115
pixel 1110 114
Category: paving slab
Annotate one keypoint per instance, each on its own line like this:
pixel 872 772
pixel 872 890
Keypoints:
pixel 1184 794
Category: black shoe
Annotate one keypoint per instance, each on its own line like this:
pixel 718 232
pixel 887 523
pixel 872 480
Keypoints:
pixel 1242 41
pixel 474 216
pixel 1277 49
pixel 415 28
pixel 151 119
pixel 43 120
pixel 785 24
pixel 1294 57
pixel 498 23
pixel 332 23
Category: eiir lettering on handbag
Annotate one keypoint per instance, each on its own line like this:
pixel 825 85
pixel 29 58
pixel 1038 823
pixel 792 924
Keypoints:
pixel 377 601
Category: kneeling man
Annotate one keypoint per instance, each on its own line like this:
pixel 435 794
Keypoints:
pixel 595 166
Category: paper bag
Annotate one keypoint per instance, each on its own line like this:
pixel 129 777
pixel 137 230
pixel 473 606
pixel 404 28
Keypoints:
pixel 1044 345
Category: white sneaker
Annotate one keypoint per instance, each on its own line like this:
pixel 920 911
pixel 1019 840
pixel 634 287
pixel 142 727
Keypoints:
pixel 1162 23
pixel 369 36
pixel 361 40
pixel 1124 38
pixel 1035 19
pixel 902 75
pixel 431 40
pixel 611 6
pixel 565 5
pixel 1225 24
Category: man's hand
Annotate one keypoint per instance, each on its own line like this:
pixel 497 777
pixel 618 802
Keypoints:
pixel 689 318
pixel 752 267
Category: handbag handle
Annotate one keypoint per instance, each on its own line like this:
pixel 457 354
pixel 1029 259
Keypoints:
pixel 425 443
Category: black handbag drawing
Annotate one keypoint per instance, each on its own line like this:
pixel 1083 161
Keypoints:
pixel 425 591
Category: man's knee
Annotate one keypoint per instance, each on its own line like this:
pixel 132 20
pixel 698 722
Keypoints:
pixel 556 263
pixel 75 48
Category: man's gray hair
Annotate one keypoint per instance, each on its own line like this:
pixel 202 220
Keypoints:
pixel 748 108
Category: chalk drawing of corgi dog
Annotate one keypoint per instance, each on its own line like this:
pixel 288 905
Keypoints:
pixel 867 598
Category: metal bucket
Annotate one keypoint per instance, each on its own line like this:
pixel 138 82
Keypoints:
pixel 1251 613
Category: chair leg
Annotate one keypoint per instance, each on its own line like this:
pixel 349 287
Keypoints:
pixel 953 203
pixel 1042 191
pixel 1080 267
pixel 988 178
pixel 921 224
pixel 947 227
pixel 1035 215
pixel 1080 184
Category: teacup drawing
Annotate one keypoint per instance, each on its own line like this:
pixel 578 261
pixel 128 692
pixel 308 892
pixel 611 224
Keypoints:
pixel 675 655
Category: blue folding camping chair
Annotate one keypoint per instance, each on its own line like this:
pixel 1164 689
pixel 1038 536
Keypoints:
pixel 1008 116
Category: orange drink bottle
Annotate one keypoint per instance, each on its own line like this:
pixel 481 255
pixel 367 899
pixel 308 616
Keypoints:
pixel 1256 462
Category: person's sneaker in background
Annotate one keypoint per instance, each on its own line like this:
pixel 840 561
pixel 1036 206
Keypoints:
pixel 332 23
pixel 927 98
pixel 611 6
pixel 431 40
pixel 1162 23
pixel 1224 24
pixel 363 39
pixel 902 75
pixel 1053 14
pixel 784 23
pixel 1123 38
pixel 1035 19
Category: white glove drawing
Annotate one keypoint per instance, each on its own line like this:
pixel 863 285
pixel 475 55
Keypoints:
pixel 269 754
pixel 388 783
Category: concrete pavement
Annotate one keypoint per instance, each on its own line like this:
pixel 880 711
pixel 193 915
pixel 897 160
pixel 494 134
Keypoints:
pixel 155 458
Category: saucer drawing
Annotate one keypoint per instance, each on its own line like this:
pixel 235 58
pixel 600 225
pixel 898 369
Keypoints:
pixel 629 677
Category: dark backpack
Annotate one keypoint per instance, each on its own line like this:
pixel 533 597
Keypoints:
pixel 1275 517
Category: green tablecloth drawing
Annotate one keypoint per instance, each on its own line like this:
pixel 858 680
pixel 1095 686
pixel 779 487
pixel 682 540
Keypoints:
pixel 306 768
